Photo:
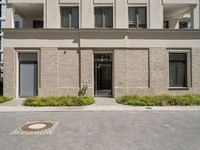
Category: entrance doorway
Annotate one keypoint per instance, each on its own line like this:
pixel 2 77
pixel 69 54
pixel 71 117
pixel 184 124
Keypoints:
pixel 103 75
pixel 28 74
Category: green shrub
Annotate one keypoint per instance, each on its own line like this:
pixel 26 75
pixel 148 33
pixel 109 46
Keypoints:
pixel 159 100
pixel 59 101
pixel 5 99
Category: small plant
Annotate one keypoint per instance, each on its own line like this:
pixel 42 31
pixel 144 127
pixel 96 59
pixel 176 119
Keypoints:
pixel 159 100
pixel 83 90
pixel 59 101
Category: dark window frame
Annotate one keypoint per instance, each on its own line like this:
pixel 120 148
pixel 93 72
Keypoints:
pixel 69 9
pixel 185 82
pixel 104 8
pixel 137 17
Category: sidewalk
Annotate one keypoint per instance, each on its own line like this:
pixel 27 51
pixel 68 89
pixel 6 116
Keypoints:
pixel 102 104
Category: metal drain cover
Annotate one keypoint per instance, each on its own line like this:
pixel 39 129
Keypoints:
pixel 38 127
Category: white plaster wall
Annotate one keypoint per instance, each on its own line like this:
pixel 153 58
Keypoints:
pixel 154 11
pixel 103 39
pixel 156 14
pixel 9 17
pixel 52 11
pixel 121 14
pixel 87 14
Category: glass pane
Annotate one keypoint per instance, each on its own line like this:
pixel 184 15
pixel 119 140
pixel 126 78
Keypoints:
pixel 132 17
pixel 0 10
pixel 166 24
pixel 178 70
pixel 181 74
pixel 108 17
pixel 98 17
pixel 142 17
pixel 64 17
pixel 183 25
pixel 75 17
pixel 28 80
pixel 177 57
pixel 172 74
pixel 27 56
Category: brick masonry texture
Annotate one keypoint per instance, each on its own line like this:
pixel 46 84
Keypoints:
pixel 135 71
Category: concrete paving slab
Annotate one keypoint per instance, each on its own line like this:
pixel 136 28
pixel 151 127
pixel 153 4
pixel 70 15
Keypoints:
pixel 101 104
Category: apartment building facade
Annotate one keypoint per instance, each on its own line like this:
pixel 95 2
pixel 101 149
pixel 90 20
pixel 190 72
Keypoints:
pixel 101 47
pixel 2 24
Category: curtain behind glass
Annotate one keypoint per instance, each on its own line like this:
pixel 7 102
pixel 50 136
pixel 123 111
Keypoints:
pixel 108 17
pixel 75 17
pixel 181 75
pixel 142 17
pixel 132 17
pixel 98 17
pixel 178 70
pixel 172 74
pixel 64 17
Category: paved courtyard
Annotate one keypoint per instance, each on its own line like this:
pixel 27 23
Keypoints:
pixel 105 131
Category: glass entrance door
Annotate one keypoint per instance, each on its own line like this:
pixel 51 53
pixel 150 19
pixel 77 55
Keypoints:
pixel 103 74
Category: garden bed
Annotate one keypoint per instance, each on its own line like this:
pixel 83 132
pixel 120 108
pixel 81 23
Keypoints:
pixel 160 100
pixel 5 99
pixel 59 101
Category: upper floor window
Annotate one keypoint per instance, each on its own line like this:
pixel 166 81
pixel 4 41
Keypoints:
pixel 137 17
pixel 166 24
pixel 37 24
pixel 104 17
pixel 183 25
pixel 17 24
pixel 69 17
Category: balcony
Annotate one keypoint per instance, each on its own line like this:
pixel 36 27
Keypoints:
pixel 179 16
pixel 28 15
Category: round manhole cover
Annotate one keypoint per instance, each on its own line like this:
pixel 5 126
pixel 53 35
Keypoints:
pixel 37 126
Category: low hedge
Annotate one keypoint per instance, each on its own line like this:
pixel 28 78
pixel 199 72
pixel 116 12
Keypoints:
pixel 59 101
pixel 160 100
pixel 5 99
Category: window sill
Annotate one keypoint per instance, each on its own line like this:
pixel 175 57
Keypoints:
pixel 178 88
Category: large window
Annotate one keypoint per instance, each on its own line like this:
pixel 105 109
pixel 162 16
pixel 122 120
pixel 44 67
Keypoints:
pixel 137 17
pixel 178 69
pixel 69 17
pixel 103 17
pixel 0 10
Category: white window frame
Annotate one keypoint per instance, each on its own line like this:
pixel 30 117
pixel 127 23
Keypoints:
pixel 70 5
pixel 147 14
pixel 105 5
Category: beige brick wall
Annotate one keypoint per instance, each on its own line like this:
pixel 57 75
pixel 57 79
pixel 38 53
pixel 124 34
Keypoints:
pixel 86 67
pixel 59 72
pixel 135 71
pixel 9 77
